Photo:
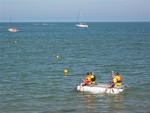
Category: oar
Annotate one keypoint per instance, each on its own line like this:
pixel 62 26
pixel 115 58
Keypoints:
pixel 82 79
pixel 112 72
pixel 110 86
pixel 112 90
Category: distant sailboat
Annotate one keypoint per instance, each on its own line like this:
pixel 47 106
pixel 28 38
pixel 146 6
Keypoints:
pixel 12 29
pixel 81 24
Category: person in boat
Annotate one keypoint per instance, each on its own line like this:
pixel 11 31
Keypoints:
pixel 93 78
pixel 87 80
pixel 115 82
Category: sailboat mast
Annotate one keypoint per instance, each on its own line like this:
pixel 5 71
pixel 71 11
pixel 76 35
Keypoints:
pixel 80 17
pixel 10 22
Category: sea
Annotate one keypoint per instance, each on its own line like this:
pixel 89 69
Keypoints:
pixel 33 60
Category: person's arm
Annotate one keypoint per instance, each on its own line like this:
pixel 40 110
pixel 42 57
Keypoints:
pixel 112 74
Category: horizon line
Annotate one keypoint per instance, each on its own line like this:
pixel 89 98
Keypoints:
pixel 70 21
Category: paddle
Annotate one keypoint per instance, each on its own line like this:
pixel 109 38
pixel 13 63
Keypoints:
pixel 110 86
pixel 112 90
pixel 107 87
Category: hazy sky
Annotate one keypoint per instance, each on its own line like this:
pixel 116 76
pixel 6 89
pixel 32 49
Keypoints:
pixel 68 10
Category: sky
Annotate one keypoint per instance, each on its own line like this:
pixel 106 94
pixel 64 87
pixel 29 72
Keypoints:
pixel 68 10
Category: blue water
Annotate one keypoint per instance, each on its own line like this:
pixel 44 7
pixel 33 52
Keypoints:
pixel 32 78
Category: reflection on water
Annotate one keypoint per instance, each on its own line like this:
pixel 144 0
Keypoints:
pixel 100 102
pixel 88 101
pixel 117 105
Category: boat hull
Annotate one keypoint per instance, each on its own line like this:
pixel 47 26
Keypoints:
pixel 12 30
pixel 82 25
pixel 100 88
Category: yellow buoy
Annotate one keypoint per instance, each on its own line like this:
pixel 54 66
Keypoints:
pixel 65 71
pixel 57 56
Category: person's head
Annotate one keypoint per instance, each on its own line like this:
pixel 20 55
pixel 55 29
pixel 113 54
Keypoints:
pixel 91 73
pixel 87 73
pixel 117 73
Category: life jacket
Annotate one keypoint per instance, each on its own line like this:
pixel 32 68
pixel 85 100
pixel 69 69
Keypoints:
pixel 119 78
pixel 93 78
pixel 117 82
pixel 87 80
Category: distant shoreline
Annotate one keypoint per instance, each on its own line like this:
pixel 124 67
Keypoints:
pixel 88 22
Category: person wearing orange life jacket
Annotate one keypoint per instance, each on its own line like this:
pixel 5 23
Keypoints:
pixel 86 81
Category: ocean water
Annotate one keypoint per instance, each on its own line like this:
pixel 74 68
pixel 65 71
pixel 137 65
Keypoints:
pixel 32 78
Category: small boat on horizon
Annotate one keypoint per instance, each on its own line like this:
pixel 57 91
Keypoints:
pixel 81 24
pixel 12 29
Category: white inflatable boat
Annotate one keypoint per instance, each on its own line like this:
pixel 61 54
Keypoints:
pixel 100 88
